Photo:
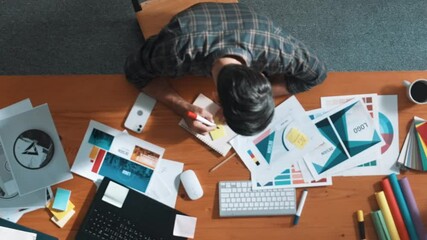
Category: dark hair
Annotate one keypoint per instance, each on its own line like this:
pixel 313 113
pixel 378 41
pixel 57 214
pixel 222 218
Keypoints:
pixel 246 98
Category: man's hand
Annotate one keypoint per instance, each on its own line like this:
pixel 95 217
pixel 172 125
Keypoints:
pixel 161 90
pixel 198 126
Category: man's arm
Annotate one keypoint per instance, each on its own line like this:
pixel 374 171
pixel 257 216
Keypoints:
pixel 161 90
pixel 305 70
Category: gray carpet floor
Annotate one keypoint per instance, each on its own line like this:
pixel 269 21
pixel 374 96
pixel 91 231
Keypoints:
pixel 94 37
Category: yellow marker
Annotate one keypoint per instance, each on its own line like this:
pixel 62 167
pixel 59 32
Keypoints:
pixel 297 138
pixel 361 224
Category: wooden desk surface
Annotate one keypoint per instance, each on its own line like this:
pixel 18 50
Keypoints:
pixel 329 212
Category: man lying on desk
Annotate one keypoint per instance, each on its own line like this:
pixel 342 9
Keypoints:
pixel 249 58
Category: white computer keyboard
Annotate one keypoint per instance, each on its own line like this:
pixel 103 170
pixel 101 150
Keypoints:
pixel 236 199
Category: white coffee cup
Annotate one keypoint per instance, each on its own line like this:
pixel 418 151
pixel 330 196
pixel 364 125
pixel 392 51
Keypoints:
pixel 416 90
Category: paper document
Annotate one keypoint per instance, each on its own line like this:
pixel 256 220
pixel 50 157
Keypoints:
pixel 33 150
pixel 185 226
pixel 124 158
pixel 13 234
pixel 289 136
pixel 349 136
pixel 384 112
pixel 165 182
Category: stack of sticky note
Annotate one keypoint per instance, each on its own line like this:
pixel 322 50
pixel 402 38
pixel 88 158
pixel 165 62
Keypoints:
pixel 61 207
pixel 398 216
pixel 414 150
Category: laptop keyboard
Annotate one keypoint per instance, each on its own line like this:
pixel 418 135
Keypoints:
pixel 110 226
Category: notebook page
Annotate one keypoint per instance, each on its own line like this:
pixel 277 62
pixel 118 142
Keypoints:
pixel 220 145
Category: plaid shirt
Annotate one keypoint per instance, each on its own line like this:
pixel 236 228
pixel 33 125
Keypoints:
pixel 196 37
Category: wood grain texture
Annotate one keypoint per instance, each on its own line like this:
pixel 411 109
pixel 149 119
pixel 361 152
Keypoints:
pixel 329 212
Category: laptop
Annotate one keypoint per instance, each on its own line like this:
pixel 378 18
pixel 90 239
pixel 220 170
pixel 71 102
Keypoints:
pixel 118 212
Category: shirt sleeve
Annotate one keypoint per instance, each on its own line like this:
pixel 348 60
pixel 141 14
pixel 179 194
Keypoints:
pixel 305 70
pixel 137 67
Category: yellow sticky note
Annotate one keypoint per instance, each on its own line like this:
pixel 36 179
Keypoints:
pixel 297 138
pixel 218 133
pixel 60 214
pixel 61 223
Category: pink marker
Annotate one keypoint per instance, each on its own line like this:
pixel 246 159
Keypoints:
pixel 195 116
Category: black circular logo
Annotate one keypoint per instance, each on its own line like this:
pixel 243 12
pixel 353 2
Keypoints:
pixel 3 194
pixel 33 149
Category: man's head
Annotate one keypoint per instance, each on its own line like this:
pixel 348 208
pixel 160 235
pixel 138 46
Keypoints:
pixel 246 99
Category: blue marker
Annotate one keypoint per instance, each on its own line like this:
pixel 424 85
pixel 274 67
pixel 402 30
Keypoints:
pixel 300 206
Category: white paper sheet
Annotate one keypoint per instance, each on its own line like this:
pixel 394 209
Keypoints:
pixel 34 199
pixel 115 194
pixel 164 184
pixel 384 110
pixel 13 234
pixel 106 151
pixel 290 135
pixel 185 226
pixel 33 149
pixel 7 183
pixel 350 137
pixel 371 103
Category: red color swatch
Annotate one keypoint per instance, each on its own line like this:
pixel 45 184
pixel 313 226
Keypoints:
pixel 98 161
